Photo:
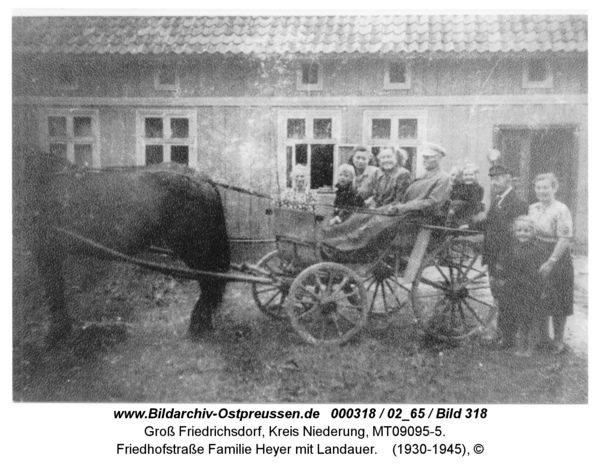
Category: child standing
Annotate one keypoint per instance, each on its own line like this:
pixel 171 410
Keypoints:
pixel 522 284
pixel 346 196
pixel 466 197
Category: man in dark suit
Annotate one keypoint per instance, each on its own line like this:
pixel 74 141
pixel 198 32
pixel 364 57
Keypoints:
pixel 497 228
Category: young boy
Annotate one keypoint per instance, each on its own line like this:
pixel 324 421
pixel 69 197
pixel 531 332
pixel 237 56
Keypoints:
pixel 466 197
pixel 346 196
pixel 522 284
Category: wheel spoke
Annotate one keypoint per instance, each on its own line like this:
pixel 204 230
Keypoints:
pixel 306 311
pixel 474 313
pixel 264 290
pixel 473 279
pixel 480 301
pixel 385 308
pixel 395 295
pixel 374 297
pixel 312 294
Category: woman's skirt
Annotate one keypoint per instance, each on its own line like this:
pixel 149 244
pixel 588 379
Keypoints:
pixel 558 296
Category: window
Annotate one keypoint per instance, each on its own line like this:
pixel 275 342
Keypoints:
pixel 166 78
pixel 311 139
pixel 310 77
pixel 397 75
pixel 72 135
pixel 537 74
pixel 404 129
pixel 164 137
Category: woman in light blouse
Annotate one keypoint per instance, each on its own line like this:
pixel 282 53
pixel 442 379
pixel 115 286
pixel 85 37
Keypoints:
pixel 554 225
pixel 299 196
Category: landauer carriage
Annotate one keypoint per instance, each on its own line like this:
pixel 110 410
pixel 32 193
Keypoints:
pixel 432 274
pixel 432 271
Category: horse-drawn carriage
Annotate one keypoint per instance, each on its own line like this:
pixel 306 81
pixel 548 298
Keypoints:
pixel 434 270
pixel 117 213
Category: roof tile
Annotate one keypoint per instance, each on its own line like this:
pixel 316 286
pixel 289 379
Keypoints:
pixel 299 34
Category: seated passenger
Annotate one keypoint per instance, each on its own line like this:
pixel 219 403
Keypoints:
pixel 299 196
pixel 346 197
pixel 466 197
pixel 425 197
pixel 392 179
pixel 365 173
pixel 427 194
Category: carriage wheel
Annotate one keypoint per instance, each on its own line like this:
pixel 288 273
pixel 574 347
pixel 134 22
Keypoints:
pixel 451 295
pixel 388 292
pixel 327 304
pixel 271 298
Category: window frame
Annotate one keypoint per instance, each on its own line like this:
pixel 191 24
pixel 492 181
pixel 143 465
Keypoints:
pixel 167 140
pixel 318 86
pixel 386 78
pixel 309 115
pixel 547 83
pixel 70 140
pixel 395 116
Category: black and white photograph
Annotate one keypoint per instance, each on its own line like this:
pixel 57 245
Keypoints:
pixel 336 208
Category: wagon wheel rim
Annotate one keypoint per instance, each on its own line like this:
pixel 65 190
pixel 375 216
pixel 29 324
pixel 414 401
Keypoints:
pixel 327 304
pixel 450 296
pixel 270 298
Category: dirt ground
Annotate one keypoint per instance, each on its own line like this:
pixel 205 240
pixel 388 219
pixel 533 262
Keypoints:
pixel 577 325
pixel 131 345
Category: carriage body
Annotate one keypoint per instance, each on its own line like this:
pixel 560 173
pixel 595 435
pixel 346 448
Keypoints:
pixel 432 274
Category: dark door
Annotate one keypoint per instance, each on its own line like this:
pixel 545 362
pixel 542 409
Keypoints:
pixel 553 151
pixel 531 151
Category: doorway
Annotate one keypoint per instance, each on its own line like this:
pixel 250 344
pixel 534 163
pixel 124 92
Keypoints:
pixel 527 152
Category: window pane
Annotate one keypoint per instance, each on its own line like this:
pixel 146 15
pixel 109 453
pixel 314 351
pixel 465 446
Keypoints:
pixel 83 155
pixel 82 127
pixel 407 129
pixel 537 70
pixel 321 165
pixel 180 154
pixel 180 127
pixel 296 128
pixel 154 154
pixel 167 76
pixel 381 128
pixel 397 73
pixel 301 154
pixel 322 128
pixel 57 127
pixel 289 161
pixel 310 73
pixel 154 127
pixel 59 150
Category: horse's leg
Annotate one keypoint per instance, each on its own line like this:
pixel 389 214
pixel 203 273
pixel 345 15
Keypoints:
pixel 211 295
pixel 49 263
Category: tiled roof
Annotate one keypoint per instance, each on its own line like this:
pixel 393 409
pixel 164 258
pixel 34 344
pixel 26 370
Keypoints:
pixel 266 35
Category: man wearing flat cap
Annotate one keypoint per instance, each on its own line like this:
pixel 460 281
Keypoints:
pixel 497 228
pixel 429 193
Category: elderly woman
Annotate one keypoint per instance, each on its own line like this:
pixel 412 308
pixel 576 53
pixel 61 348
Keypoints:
pixel 299 196
pixel 554 226
pixel 365 174
pixel 392 179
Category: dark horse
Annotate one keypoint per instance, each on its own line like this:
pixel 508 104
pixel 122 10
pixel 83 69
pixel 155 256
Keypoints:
pixel 127 210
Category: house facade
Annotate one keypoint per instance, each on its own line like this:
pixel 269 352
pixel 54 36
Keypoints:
pixel 245 98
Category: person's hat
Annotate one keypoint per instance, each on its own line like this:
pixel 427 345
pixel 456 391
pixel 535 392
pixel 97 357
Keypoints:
pixel 498 169
pixel 429 148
